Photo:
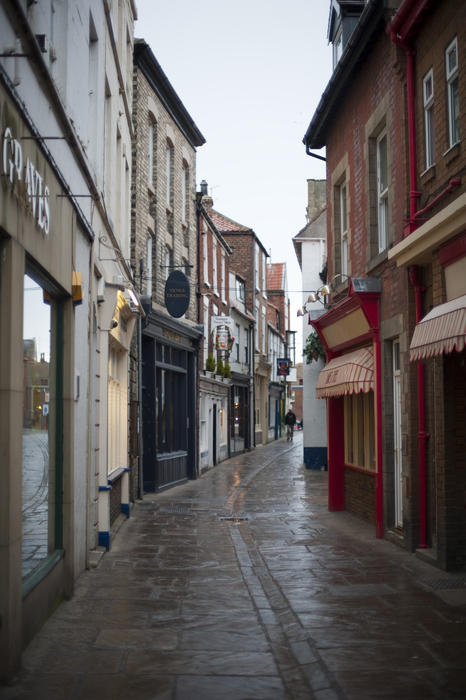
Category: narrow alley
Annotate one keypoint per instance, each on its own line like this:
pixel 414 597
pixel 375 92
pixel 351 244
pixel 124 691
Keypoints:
pixel 242 586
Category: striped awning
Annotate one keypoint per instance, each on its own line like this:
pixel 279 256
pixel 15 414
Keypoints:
pixel 443 329
pixel 348 374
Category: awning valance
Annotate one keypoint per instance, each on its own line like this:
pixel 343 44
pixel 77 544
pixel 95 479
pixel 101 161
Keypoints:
pixel 442 330
pixel 350 373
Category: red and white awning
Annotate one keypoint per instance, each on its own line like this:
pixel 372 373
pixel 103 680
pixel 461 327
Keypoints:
pixel 443 329
pixel 348 374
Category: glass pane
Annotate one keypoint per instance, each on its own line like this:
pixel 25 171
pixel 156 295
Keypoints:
pixel 382 164
pixel 37 522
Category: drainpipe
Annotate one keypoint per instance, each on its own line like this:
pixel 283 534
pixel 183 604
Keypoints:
pixel 414 277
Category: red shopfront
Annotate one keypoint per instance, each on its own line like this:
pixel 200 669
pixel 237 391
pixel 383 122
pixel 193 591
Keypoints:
pixel 351 384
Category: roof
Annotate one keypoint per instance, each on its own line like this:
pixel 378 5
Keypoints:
pixel 228 226
pixel 314 230
pixel 369 24
pixel 148 64
pixel 276 277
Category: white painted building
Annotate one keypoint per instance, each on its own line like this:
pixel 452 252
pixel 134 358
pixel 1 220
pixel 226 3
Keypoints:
pixel 311 251
pixel 66 313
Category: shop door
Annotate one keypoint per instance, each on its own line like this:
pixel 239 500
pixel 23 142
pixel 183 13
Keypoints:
pixel 397 453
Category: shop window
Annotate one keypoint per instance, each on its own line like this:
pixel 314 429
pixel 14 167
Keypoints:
pixel 42 425
pixel 360 431
pixel 117 408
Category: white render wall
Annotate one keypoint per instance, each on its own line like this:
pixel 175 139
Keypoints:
pixel 313 252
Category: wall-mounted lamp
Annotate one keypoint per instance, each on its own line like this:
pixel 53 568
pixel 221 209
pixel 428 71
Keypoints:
pixel 314 296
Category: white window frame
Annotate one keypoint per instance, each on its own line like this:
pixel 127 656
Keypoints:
pixel 343 228
pixel 214 266
pixel 205 252
pixel 337 46
pixel 451 69
pixel 237 342
pixel 382 194
pixel 168 261
pixel 223 290
pixel 240 290
pixel 428 99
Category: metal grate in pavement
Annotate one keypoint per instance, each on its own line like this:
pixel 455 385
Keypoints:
pixel 176 510
pixel 445 584
pixel 234 518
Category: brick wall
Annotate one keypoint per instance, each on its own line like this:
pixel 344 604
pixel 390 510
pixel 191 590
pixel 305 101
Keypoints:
pixel 360 494
pixel 149 208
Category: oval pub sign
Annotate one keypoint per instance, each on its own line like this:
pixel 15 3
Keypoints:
pixel 177 293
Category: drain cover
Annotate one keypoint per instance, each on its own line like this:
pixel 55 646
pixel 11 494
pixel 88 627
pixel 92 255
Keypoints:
pixel 234 518
pixel 445 584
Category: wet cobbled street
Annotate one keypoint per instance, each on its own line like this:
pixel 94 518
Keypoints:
pixel 242 586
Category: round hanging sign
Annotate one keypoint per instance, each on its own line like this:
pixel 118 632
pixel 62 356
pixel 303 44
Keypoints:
pixel 177 293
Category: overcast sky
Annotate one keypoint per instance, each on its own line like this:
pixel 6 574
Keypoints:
pixel 250 73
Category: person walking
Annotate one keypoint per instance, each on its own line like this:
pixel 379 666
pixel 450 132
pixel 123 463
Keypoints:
pixel 290 421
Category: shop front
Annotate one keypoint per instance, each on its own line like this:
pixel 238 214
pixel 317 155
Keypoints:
pixel 351 384
pixel 37 226
pixel 169 411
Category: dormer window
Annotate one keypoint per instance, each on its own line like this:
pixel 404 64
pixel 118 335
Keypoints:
pixel 337 47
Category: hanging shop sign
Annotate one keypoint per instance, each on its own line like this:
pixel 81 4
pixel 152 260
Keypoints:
pixel 25 180
pixel 218 321
pixel 283 366
pixel 177 293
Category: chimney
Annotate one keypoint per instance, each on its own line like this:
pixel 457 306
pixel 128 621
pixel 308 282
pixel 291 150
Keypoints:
pixel 207 202
pixel 317 198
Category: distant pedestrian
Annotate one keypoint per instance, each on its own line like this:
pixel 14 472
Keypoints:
pixel 290 421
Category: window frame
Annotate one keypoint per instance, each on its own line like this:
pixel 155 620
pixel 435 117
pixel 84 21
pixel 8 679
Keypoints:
pixel 382 194
pixel 429 131
pixel 452 82
pixel 343 197
pixel 359 431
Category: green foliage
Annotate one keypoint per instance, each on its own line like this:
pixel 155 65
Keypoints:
pixel 210 363
pixel 227 371
pixel 220 368
pixel 313 350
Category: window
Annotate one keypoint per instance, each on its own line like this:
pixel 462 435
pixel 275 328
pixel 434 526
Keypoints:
pixel 337 47
pixel 206 258
pixel 382 192
pixel 185 193
pixel 343 230
pixel 223 290
pixel 451 59
pixel 168 264
pixel 256 270
pixel 169 175
pixel 42 432
pixel 148 275
pixel 214 266
pixel 264 312
pixel 151 151
pixel 360 431
pixel 117 408
pixel 428 96
pixel 240 289
pixel 206 328
pixel 238 341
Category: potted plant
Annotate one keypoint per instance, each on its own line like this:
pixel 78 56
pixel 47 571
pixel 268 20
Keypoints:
pixel 313 349
pixel 210 364
pixel 220 368
pixel 227 371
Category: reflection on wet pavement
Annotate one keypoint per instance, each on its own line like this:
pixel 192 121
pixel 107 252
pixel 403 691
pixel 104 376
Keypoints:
pixel 242 586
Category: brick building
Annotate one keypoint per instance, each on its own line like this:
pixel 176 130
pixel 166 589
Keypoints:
pixel 278 325
pixel 248 261
pixel 214 315
pixel 394 329
pixel 164 240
